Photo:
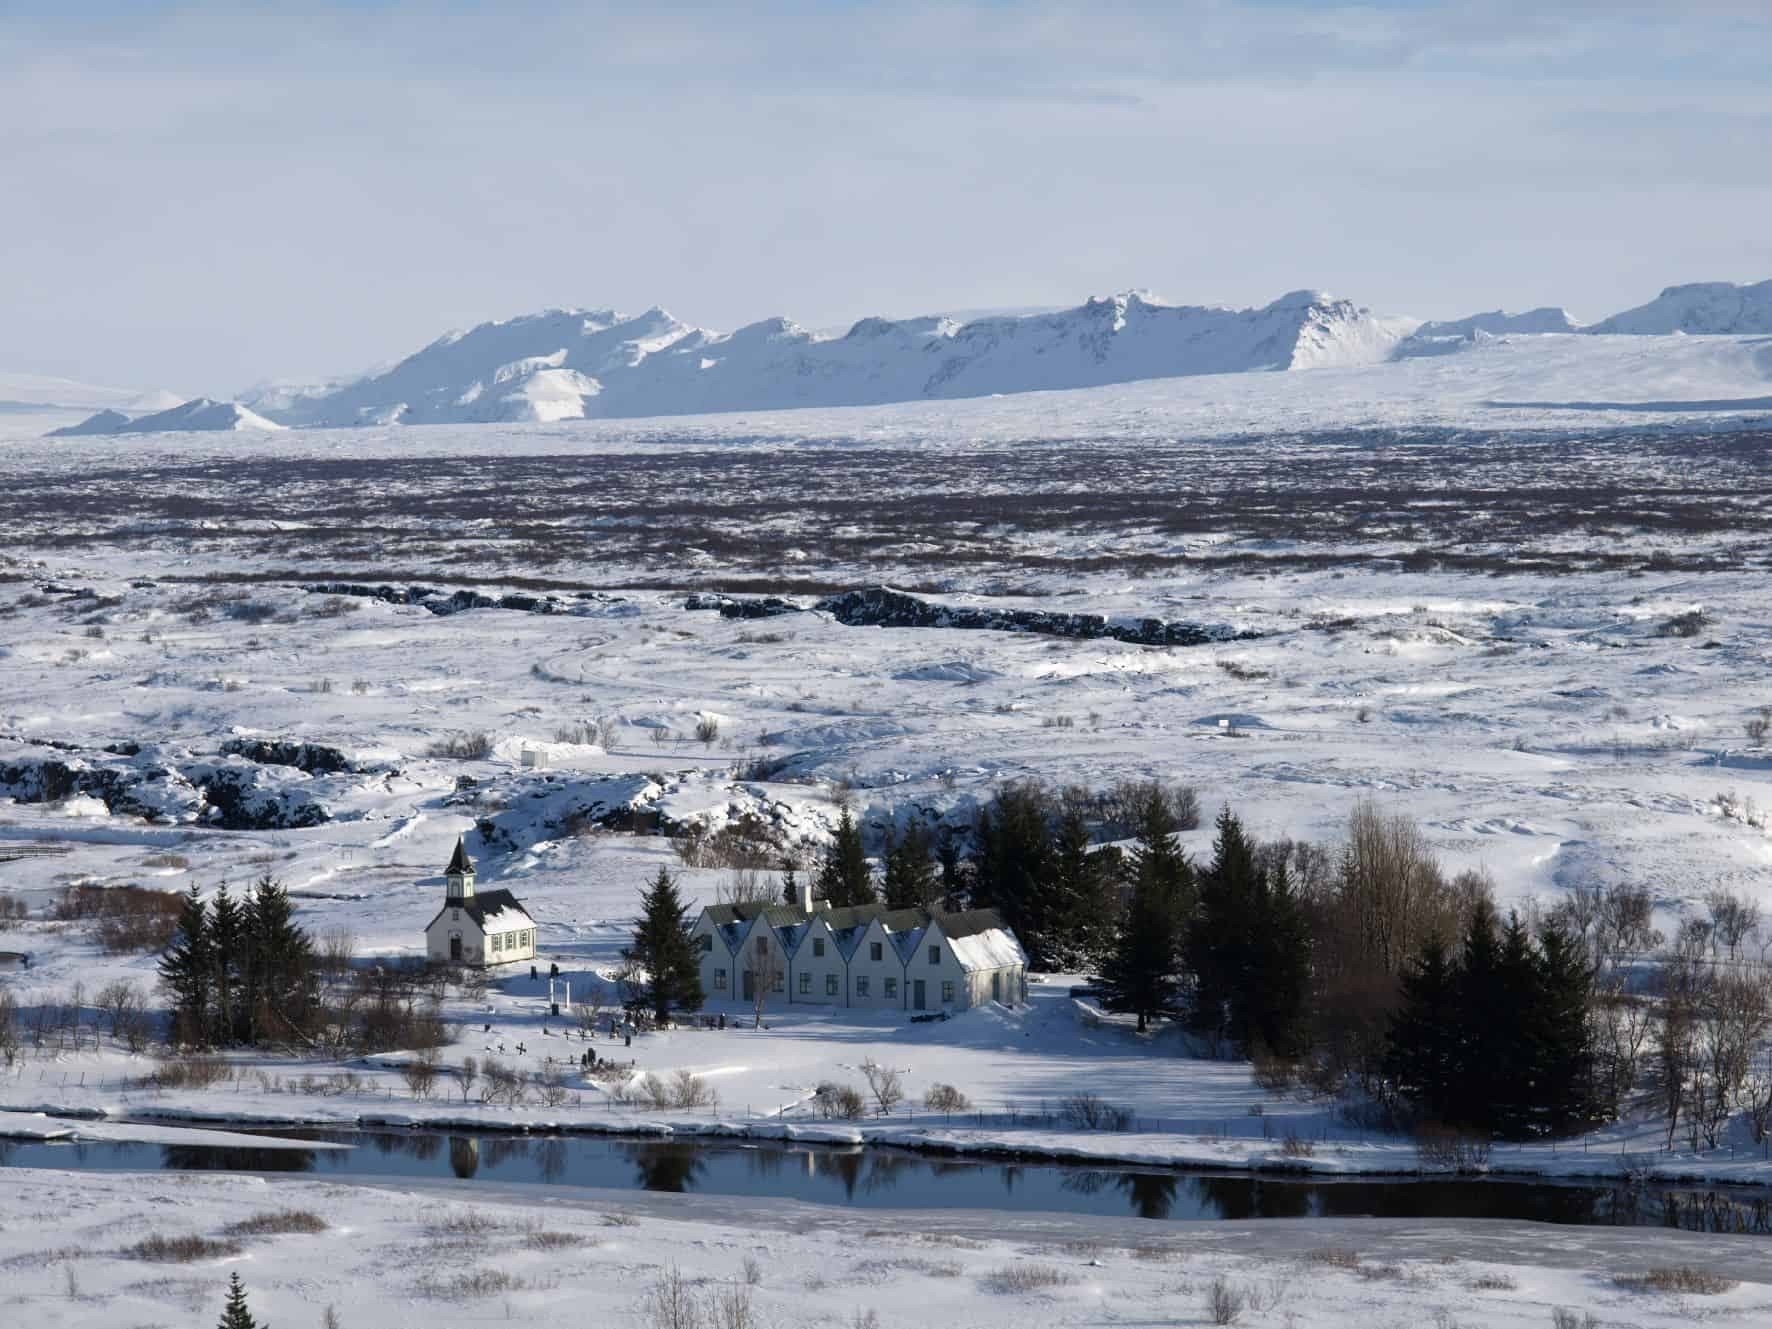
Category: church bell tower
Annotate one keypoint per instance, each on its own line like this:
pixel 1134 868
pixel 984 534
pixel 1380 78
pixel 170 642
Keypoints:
pixel 459 875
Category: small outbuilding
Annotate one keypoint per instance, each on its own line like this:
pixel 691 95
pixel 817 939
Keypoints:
pixel 478 928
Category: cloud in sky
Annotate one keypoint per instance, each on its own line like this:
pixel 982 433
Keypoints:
pixel 205 195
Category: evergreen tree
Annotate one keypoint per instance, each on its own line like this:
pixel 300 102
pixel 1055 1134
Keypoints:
pixel 790 882
pixel 1562 1036
pixel 1084 907
pixel 1424 1059
pixel 228 956
pixel 1502 1028
pixel 843 877
pixel 187 970
pixel 662 948
pixel 956 883
pixel 1483 1042
pixel 1277 1000
pixel 911 880
pixel 279 965
pixel 235 1314
pixel 1012 869
pixel 1140 973
pixel 1220 935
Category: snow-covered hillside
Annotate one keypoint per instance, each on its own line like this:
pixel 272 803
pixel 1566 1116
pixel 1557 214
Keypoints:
pixel 199 415
pixel 1702 307
pixel 566 364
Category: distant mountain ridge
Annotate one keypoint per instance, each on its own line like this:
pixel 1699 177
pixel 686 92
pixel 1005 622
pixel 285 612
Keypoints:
pixel 199 415
pixel 569 364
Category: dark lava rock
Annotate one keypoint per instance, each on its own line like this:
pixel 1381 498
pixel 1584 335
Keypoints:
pixel 314 758
pixel 881 607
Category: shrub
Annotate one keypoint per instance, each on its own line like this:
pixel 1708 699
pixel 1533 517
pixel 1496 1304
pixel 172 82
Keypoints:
pixel 474 1283
pixel 839 1100
pixel 1681 1278
pixel 707 730
pixel 476 746
pixel 1564 1318
pixel 1295 1145
pixel 1441 1147
pixel 273 1223
pixel 1493 1282
pixel 887 1086
pixel 1336 1257
pixel 188 1073
pixel 1089 1112
pixel 1022 1279
pixel 1225 1301
pixel 557 1241
pixel 946 1098
pixel 181 1250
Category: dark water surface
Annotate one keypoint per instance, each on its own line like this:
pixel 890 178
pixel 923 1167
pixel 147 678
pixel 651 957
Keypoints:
pixel 891 1179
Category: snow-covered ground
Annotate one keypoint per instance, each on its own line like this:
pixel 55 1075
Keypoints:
pixel 401 1255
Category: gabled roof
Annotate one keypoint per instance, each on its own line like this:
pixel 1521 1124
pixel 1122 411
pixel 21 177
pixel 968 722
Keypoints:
pixel 459 862
pixel 969 923
pixel 484 905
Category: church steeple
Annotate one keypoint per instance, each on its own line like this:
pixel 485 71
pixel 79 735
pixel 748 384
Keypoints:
pixel 459 875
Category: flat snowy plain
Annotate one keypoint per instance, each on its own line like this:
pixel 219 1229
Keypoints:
pixel 1462 609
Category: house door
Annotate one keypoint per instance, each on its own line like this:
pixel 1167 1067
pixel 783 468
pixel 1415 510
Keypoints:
pixel 750 985
pixel 996 987
pixel 455 948
pixel 917 997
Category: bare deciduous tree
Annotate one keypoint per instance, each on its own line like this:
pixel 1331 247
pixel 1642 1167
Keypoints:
pixel 887 1086
pixel 465 1075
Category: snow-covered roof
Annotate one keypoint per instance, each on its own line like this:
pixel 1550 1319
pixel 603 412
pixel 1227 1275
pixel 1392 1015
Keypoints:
pixel 980 939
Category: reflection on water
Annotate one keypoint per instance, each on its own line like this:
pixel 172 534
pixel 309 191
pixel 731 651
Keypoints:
pixel 882 1178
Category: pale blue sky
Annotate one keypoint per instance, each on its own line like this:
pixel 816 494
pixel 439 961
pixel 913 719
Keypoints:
pixel 202 195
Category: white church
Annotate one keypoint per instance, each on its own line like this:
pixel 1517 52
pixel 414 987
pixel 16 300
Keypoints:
pixel 478 928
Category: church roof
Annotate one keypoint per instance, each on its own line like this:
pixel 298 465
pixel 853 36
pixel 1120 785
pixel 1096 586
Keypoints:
pixel 459 862
pixel 492 911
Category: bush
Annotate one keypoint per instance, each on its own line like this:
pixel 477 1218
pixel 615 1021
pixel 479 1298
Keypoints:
pixel 188 1073
pixel 1564 1318
pixel 1336 1257
pixel 476 746
pixel 1225 1301
pixel 946 1098
pixel 841 1101
pixel 181 1250
pixel 1022 1279
pixel 1682 1278
pixel 1295 1145
pixel 1442 1147
pixel 277 1222
pixel 1089 1112
pixel 887 1086
pixel 707 729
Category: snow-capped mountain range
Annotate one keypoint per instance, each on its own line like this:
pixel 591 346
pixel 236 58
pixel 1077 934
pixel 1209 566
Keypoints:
pixel 565 364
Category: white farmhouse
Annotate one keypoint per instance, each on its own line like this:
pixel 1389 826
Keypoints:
pixel 867 956
pixel 479 928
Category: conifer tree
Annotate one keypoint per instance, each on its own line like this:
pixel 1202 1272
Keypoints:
pixel 1562 1036
pixel 662 948
pixel 1012 868
pixel 1220 934
pixel 281 960
pixel 187 970
pixel 1140 973
pixel 1083 905
pixel 229 944
pixel 1276 1002
pixel 911 880
pixel 790 882
pixel 235 1314
pixel 1483 1042
pixel 843 876
pixel 1424 1061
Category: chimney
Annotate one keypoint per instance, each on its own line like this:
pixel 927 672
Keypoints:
pixel 806 897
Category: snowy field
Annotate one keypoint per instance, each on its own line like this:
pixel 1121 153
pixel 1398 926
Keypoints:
pixel 397 1256
pixel 1546 642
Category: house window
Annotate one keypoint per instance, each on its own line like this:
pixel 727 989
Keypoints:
pixel 777 985
pixel 935 955
pixel 707 943
pixel 861 985
pixel 805 982
pixel 498 941
pixel 892 987
pixel 874 951
pixel 720 979
pixel 947 993
pixel 830 985
pixel 818 945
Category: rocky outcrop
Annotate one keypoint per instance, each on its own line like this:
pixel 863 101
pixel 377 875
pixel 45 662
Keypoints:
pixel 455 602
pixel 768 606
pixel 314 758
pixel 230 794
pixel 884 608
